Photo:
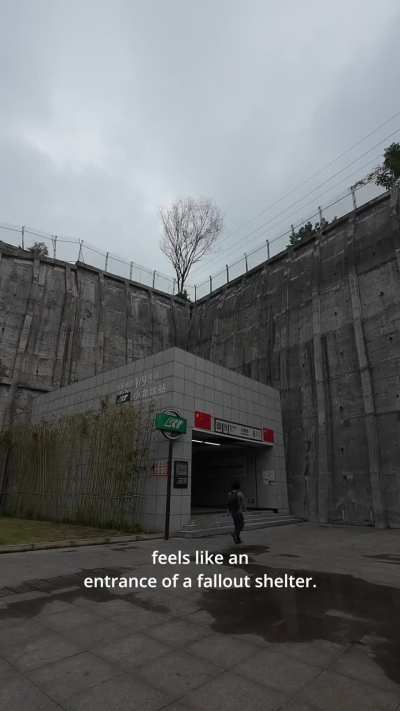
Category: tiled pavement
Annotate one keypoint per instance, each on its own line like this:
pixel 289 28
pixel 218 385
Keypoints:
pixel 63 647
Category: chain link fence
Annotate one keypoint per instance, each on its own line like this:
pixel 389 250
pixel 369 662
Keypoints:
pixel 75 250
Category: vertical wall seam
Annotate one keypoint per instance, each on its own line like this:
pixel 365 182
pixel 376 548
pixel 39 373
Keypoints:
pixel 127 299
pixel 100 355
pixel 374 463
pixel 63 350
pixel 75 330
pixel 323 475
pixel 22 342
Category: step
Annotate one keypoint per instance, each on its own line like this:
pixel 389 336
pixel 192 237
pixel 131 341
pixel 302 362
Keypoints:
pixel 224 524
pixel 227 521
pixel 197 532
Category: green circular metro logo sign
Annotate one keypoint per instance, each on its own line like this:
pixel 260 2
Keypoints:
pixel 170 422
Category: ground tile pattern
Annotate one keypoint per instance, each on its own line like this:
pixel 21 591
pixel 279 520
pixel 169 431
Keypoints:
pixel 77 650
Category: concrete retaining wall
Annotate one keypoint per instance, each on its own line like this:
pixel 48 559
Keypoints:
pixel 320 322
pixel 60 323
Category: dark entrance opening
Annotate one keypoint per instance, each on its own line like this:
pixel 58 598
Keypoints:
pixel 217 461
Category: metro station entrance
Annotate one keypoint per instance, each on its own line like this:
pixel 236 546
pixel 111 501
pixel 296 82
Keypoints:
pixel 218 461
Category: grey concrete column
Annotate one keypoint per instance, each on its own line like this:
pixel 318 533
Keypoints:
pixel 284 324
pixel 151 309
pixel 395 207
pixel 62 361
pixel 100 324
pixel 22 342
pixel 74 356
pixel 324 470
pixel 127 314
pixel 366 383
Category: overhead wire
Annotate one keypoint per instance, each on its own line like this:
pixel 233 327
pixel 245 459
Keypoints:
pixel 302 221
pixel 327 180
pixel 322 169
pixel 302 198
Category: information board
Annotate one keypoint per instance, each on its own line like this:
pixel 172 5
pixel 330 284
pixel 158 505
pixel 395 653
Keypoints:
pixel 181 474
pixel 234 429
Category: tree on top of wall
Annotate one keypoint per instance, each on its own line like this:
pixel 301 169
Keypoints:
pixel 306 230
pixel 39 249
pixel 387 174
pixel 191 228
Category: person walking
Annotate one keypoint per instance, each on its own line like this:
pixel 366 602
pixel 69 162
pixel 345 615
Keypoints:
pixel 236 507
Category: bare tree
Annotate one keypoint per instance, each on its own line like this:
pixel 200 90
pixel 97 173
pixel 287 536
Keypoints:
pixel 191 228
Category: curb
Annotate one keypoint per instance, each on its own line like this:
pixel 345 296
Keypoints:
pixel 76 543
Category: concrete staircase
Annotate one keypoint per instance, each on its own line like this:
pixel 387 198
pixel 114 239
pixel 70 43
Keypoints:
pixel 202 525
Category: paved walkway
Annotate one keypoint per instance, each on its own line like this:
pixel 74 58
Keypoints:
pixel 335 646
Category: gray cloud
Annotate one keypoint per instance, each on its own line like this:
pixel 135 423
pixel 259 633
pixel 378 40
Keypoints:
pixel 109 110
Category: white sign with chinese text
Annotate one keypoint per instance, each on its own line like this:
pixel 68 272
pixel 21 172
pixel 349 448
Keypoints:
pixel 233 429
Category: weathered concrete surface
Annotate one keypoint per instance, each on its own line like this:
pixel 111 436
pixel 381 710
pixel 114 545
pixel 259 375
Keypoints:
pixel 61 323
pixel 321 323
pixel 332 646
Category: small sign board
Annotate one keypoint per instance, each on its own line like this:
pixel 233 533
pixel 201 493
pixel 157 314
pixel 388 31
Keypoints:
pixel 181 474
pixel 244 432
pixel 160 468
pixel 234 429
pixel 169 422
pixel 125 396
pixel 268 476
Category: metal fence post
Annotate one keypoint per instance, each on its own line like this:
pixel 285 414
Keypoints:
pixel 267 248
pixel 195 292
pixel 130 270
pixel 154 278
pixel 227 274
pixel 54 240
pixel 23 236
pixel 245 261
pixel 293 232
pixel 321 219
pixel 210 283
pixel 106 262
pixel 80 250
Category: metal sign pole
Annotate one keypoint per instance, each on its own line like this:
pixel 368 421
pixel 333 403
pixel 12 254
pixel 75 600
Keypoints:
pixel 169 479
pixel 171 425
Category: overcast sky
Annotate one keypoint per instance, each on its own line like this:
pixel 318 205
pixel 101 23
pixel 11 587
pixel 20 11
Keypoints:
pixel 111 109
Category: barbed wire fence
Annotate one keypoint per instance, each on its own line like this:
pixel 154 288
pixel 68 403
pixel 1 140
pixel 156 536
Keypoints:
pixel 69 249
pixel 345 203
pixel 79 251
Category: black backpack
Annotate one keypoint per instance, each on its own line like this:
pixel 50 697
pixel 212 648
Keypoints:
pixel 233 501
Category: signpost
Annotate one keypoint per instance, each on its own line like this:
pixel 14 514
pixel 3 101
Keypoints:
pixel 172 426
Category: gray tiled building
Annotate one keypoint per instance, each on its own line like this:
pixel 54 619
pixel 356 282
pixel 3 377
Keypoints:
pixel 234 431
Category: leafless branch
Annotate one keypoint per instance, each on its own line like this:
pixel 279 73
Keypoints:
pixel 191 227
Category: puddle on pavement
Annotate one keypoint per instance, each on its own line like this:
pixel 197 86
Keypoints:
pixel 342 609
pixel 67 588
